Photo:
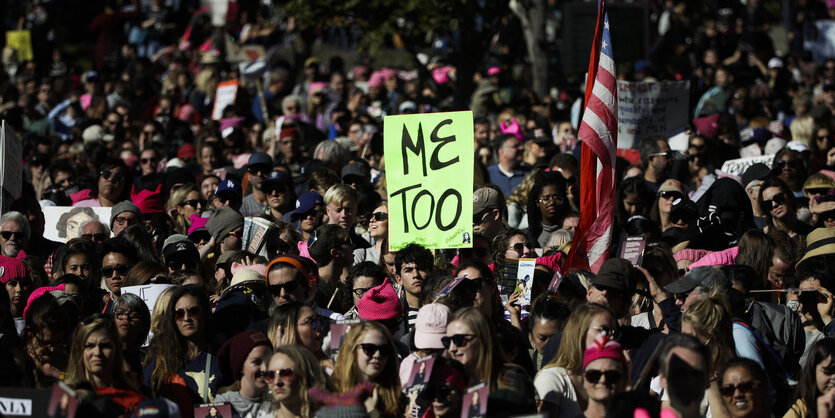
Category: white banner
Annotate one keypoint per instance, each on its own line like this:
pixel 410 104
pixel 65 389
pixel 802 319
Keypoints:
pixel 651 110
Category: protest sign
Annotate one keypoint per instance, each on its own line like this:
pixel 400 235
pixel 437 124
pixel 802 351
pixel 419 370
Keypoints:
pixel 21 42
pixel 24 402
pixel 421 371
pixel 738 166
pixel 11 156
pixel 149 293
pixel 651 109
pixel 429 174
pixel 556 279
pixel 255 234
pixel 63 402
pixel 632 249
pixel 63 223
pixel 446 290
pixel 339 330
pixel 224 96
pixel 213 410
pixel 517 275
pixel 474 402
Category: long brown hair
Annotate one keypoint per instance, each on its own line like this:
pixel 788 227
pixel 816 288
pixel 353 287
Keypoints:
pixel 756 249
pixel 76 372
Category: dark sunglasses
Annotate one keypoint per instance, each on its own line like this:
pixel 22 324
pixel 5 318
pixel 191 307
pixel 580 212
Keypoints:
pixel 180 313
pixel 612 376
pixel 178 264
pixel 10 234
pixel 123 314
pixel 609 290
pixel 669 194
pixel 289 287
pixel 777 200
pixel 269 376
pixel 316 322
pixel 259 169
pixel 478 218
pixel 115 177
pixel 195 203
pixel 520 246
pixel 744 387
pixel 791 163
pixel 96 237
pixel 460 340
pixel 275 189
pixel 820 191
pixel 371 349
pixel 108 271
pixel 828 216
pixel 674 219
pixel 440 392
pixel 379 216
pixel 148 160
pixel 121 220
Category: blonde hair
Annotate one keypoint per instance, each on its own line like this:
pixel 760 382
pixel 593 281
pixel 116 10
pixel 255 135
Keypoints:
pixel 310 374
pixel 520 194
pixel 388 382
pixel 287 317
pixel 573 340
pixel 819 178
pixel 159 309
pixel 339 193
pixel 710 319
pixel 802 129
pixel 177 199
pixel 77 372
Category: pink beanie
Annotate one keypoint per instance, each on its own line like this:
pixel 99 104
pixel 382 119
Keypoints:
pixel 12 269
pixel 380 303
pixel 197 222
pixel 718 258
pixel 147 201
pixel 691 254
pixel 604 348
pixel 38 293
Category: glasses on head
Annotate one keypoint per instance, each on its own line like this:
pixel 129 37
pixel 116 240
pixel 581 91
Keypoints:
pixel 96 237
pixel 379 216
pixel 669 195
pixel 548 199
pixel 744 387
pixel 192 311
pixel 10 234
pixel 195 203
pixel 287 375
pixel 126 314
pixel 114 176
pixel 360 291
pixel 289 287
pixel 791 163
pixel 121 220
pixel 120 269
pixel 371 349
pixel 460 340
pixel 775 201
pixel 612 376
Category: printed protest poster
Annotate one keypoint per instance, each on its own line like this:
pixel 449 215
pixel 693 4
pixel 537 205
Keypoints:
pixel 651 109
pixel 474 403
pixel 11 156
pixel 739 165
pixel 421 371
pixel 632 250
pixel 524 283
pixel 446 290
pixel 339 331
pixel 149 293
pixel 224 96
pixel 63 402
pixel 429 171
pixel 63 223
pixel 213 410
pixel 21 42
pixel 556 279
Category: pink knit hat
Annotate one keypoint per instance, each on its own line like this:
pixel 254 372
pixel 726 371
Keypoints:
pixel 147 201
pixel 38 293
pixel 197 222
pixel 12 269
pixel 380 303
pixel 604 348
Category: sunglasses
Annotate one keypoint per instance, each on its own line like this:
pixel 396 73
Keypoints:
pixel 317 323
pixel 122 315
pixel 120 269
pixel 460 340
pixel 612 376
pixel 278 189
pixel 192 311
pixel 259 169
pixel 439 392
pixel 553 198
pixel 777 200
pixel 195 203
pixel 828 216
pixel 819 191
pixel 667 155
pixel 238 234
pixel 10 234
pixel 669 195
pixel 371 349
pixel 115 177
pixel 95 237
pixel 479 218
pixel 674 219
pixel 287 375
pixel 744 387
pixel 519 247
pixel 379 216
pixel 791 163
pixel 289 287
pixel 177 265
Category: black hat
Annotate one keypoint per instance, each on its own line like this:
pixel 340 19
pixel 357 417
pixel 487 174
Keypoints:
pixel 758 171
pixel 618 274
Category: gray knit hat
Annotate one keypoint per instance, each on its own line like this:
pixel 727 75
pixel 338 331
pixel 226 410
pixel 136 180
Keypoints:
pixel 122 207
pixel 223 221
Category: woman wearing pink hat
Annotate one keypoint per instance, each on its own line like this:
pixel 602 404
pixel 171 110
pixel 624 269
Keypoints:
pixel 605 371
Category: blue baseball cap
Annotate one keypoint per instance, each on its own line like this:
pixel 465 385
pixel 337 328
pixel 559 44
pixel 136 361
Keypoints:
pixel 306 203
pixel 260 158
pixel 229 185
pixel 278 177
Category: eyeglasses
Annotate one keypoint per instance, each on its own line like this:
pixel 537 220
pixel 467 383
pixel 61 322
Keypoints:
pixel 744 387
pixel 775 201
pixel 289 287
pixel 115 177
pixel 120 269
pixel 287 375
pixel 195 203
pixel 192 311
pixel 475 284
pixel 612 376
pixel 668 155
pixel 440 392
pixel 95 237
pixel 603 330
pixel 122 315
pixel 823 137
pixel 775 275
pixel 553 198
pixel 379 216
pixel 360 291
pixel 371 349
pixel 669 195
pixel 828 216
pixel 121 220
pixel 460 340
pixel 9 234
pixel 791 163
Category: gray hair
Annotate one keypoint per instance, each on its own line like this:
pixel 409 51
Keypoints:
pixel 289 99
pixel 134 303
pixel 19 219
pixel 90 221
pixel 332 153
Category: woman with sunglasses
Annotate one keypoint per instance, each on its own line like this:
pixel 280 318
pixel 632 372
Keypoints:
pixel 744 387
pixel 179 365
pixel 779 205
pixel 547 207
pixel 369 355
pixel 297 323
pixel 471 340
pixel 96 357
pixel 816 379
pixel 292 371
pixel 183 203
pixel 511 244
pixel 243 360
pixel 110 187
pixel 378 230
pixel 791 168
pixel 117 256
pixel 560 382
pixel 605 374
pixel 669 191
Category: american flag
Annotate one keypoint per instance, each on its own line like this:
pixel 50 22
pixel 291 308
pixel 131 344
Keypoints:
pixel 599 135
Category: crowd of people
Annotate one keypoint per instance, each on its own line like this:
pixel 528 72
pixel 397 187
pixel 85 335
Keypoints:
pixel 728 311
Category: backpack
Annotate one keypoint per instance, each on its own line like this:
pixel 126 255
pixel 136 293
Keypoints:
pixel 782 329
